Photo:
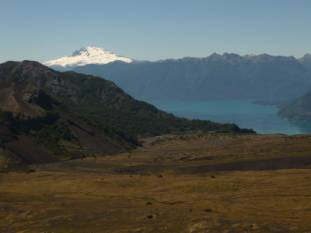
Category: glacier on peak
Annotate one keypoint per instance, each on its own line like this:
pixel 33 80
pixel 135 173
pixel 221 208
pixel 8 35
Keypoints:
pixel 86 56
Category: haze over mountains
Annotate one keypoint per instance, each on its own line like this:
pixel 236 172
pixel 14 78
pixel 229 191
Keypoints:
pixel 259 77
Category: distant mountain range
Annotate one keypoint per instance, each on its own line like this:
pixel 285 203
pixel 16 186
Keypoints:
pixel 47 115
pixel 259 77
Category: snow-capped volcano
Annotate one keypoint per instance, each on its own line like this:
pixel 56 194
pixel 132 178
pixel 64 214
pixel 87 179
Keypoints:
pixel 86 56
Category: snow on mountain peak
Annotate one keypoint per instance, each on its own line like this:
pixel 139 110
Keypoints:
pixel 88 55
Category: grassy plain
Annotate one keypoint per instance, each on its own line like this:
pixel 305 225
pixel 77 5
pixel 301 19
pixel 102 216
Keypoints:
pixel 183 184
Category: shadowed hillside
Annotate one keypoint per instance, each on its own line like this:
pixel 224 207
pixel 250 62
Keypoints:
pixel 298 110
pixel 48 115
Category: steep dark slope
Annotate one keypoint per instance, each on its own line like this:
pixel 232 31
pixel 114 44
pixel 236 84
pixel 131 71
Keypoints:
pixel 47 115
pixel 262 77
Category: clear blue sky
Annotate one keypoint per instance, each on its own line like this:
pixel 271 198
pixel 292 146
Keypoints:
pixel 153 29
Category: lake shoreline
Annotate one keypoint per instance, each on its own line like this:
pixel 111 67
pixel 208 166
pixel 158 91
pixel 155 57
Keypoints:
pixel 263 117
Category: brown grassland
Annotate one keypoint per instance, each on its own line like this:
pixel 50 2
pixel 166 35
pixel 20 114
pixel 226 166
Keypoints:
pixel 183 184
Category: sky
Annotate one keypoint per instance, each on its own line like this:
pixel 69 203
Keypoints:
pixel 153 29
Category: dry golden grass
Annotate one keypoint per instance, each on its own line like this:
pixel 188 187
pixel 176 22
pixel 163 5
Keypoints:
pixel 152 191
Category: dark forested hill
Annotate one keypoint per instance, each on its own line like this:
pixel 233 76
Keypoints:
pixel 298 110
pixel 47 115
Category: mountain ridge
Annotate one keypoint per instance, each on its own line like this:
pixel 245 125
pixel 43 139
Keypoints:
pixel 261 77
pixel 48 115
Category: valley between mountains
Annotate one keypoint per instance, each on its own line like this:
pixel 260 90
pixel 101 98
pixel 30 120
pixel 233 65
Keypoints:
pixel 79 155
pixel 174 116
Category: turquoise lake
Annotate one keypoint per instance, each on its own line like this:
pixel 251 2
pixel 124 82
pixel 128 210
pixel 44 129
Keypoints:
pixel 245 113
